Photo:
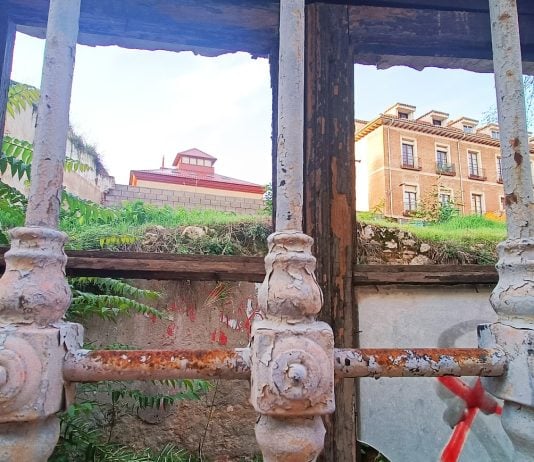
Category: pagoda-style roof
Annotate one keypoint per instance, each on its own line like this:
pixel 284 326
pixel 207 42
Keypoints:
pixel 198 179
pixel 196 153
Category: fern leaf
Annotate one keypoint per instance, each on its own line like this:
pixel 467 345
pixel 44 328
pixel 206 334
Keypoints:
pixel 113 287
pixel 107 306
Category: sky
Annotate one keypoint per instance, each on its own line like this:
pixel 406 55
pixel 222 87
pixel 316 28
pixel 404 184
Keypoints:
pixel 137 106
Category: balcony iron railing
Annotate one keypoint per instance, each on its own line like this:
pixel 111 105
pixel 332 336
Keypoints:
pixel 443 168
pixel 411 163
pixel 477 174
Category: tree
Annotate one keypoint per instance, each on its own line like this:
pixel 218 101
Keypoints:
pixel 490 116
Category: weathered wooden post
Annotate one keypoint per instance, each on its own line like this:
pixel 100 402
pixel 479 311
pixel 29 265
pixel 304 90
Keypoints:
pixel 513 297
pixel 34 294
pixel 292 376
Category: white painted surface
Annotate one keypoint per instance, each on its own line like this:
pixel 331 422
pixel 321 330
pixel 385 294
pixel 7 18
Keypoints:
pixel 405 417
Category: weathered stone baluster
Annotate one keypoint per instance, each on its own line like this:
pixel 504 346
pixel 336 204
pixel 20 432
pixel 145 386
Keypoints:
pixel 34 294
pixel 513 297
pixel 292 353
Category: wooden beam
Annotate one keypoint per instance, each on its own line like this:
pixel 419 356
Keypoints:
pixel 161 266
pixel 329 192
pixel 136 265
pixel 7 42
pixel 424 274
pixel 417 33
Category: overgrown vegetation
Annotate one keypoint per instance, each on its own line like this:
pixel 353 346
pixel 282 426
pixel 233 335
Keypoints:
pixel 87 426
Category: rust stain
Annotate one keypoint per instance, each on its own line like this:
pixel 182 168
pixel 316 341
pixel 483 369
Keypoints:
pixel 505 16
pixel 392 357
pixel 161 359
pixel 510 199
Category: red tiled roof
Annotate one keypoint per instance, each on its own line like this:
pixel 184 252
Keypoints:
pixel 194 152
pixel 191 178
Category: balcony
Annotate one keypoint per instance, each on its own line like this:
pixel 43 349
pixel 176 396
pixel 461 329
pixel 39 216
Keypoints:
pixel 410 209
pixel 445 169
pixel 411 163
pixel 477 174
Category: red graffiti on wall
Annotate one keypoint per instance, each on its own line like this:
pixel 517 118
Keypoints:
pixel 242 318
pixel 219 336
pixel 475 399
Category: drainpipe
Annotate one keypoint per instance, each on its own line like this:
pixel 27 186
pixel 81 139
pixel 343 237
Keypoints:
pixel 461 176
pixel 34 294
pixel 513 297
pixel 389 169
pixel 292 354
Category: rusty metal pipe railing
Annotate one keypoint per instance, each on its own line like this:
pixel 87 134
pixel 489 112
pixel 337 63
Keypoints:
pixel 419 362
pixel 95 365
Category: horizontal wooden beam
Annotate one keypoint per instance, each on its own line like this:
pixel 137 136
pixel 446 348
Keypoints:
pixel 161 266
pixel 424 274
pixel 416 33
pixel 134 265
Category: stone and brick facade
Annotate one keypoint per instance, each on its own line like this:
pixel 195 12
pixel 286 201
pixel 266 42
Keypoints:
pixel 191 182
pixel 401 160
pixel 183 199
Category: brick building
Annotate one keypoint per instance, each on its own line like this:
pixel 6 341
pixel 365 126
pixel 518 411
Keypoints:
pixel 401 159
pixel 190 183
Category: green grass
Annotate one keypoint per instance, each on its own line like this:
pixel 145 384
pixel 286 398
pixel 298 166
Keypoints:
pixel 470 230
pixel 142 227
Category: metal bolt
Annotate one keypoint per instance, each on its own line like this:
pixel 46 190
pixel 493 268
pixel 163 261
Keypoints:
pixel 297 373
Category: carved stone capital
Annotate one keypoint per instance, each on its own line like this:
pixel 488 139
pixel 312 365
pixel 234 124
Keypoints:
pixel 290 290
pixel 513 296
pixel 517 384
pixel 32 359
pixel 33 288
pixel 293 368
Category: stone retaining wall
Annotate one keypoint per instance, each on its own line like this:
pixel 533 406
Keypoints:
pixel 188 200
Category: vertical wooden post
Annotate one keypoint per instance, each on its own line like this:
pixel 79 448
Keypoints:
pixel 273 68
pixel 7 41
pixel 329 192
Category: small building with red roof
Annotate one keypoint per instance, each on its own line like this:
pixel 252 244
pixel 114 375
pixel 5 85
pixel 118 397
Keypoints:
pixel 193 171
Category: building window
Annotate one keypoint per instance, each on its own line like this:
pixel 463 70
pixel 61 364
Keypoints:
pixel 408 157
pixel 436 122
pixel 445 196
pixel 443 166
pixel 495 134
pixel 403 115
pixel 410 198
pixel 476 204
pixel 501 203
pixel 468 129
pixel 473 161
pixel 499 169
pixel 185 160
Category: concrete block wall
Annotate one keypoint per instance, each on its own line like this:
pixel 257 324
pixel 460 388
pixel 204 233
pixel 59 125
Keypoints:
pixel 188 200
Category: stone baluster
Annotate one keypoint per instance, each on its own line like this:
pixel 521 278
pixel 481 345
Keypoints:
pixel 292 382
pixel 513 297
pixel 34 294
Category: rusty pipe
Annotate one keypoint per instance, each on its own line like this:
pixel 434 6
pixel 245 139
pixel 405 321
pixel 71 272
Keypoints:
pixel 95 365
pixel 419 362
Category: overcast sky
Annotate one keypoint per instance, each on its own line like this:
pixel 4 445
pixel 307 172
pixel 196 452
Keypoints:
pixel 137 106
